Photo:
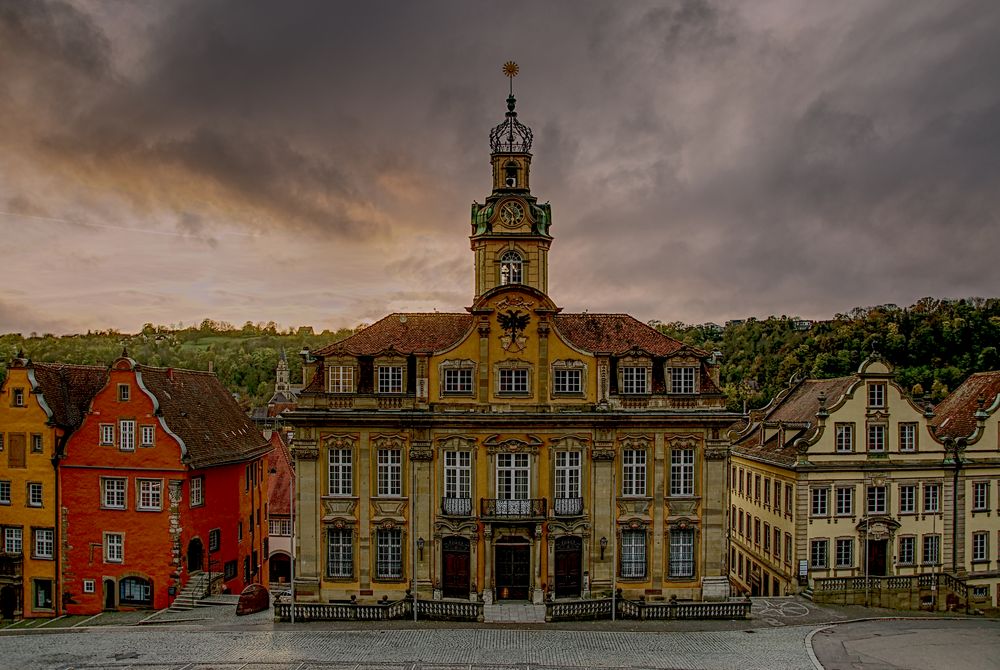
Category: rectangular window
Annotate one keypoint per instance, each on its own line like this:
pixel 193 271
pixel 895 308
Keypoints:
pixel 17 397
pixel 767 491
pixel 340 553
pixel 777 497
pixel 876 394
pixel 197 491
pixel 756 488
pixel 36 443
pixel 458 477
pixel 390 472
pixel 818 550
pixel 341 480
pixel 777 543
pixel 229 570
pixel 932 497
pixel 767 538
pixel 788 499
pixel 788 548
pixel 389 561
pixel 280 527
pixel 89 586
pixel 513 380
pixel 107 434
pixel 341 379
pixel 681 553
pixel 123 392
pixel 682 380
pixel 740 519
pixel 390 379
pixel 732 517
pixel 34 494
pixel 148 436
pixel 876 437
pixel 932 549
pixel 634 380
pixel 5 492
pixel 214 539
pixel 907 437
pixel 126 435
pixel 113 496
pixel 845 501
pixel 906 550
pixel 682 472
pixel 756 530
pixel 876 500
pixel 513 472
pixel 633 560
pixel 633 472
pixel 567 381
pixel 820 502
pixel 980 546
pixel 458 380
pixel 114 548
pixel 12 540
pixel 907 499
pixel 239 532
pixel 150 494
pixel 43 593
pixel 741 481
pixel 980 496
pixel 845 553
pixel 845 437
pixel 567 474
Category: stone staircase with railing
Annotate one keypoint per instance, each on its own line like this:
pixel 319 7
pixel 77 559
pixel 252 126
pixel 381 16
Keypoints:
pixel 192 594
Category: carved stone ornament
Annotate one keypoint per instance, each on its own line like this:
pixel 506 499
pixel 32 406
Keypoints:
pixel 683 507
pixel 484 329
pixel 343 507
pixel 682 524
pixel 602 455
pixel 388 442
pixel 684 441
pixel 635 441
pixel 421 454
pixel 340 441
pixel 514 301
pixel 716 454
pixel 569 442
pixel 388 524
pixel 456 442
pixel 304 453
pixel 513 445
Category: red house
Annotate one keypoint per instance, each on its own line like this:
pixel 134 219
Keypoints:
pixel 165 479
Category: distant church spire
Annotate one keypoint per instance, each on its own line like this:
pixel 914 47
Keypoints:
pixel 281 382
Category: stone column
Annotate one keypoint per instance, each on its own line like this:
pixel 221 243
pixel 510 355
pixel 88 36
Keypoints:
pixel 714 580
pixel 487 593
pixel 308 552
pixel 537 595
pixel 484 360
pixel 422 462
pixel 661 475
pixel 364 514
pixel 604 508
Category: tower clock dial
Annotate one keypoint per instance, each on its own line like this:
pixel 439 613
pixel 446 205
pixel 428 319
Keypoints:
pixel 511 213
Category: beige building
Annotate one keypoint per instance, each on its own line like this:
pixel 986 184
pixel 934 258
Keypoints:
pixel 510 451
pixel 849 477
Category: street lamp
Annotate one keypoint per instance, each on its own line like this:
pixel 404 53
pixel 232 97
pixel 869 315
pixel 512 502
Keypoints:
pixel 604 545
pixel 420 547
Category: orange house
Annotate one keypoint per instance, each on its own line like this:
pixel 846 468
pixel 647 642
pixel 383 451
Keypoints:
pixel 165 479
pixel 40 405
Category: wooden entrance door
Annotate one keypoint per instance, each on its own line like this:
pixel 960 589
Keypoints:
pixel 110 602
pixel 877 563
pixel 569 558
pixel 455 567
pixel 513 571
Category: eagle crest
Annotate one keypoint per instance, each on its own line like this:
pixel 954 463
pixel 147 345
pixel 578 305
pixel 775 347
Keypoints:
pixel 513 322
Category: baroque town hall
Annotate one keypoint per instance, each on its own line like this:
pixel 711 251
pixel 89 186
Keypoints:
pixel 510 451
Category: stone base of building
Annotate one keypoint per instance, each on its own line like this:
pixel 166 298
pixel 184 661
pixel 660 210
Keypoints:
pixel 714 588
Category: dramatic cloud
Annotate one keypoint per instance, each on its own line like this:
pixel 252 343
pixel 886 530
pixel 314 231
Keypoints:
pixel 313 162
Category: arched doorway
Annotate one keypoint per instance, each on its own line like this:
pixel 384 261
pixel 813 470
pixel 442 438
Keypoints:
pixel 455 567
pixel 569 560
pixel 110 602
pixel 195 553
pixel 279 568
pixel 8 602
pixel 513 568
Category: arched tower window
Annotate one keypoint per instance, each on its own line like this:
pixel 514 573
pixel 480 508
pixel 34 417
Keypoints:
pixel 510 268
pixel 510 174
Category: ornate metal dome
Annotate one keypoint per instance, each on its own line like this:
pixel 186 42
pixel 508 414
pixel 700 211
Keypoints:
pixel 511 136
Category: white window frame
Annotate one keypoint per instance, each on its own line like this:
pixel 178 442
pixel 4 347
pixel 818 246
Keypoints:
pixel 876 438
pixel 89 586
pixel 819 554
pixel 339 553
pixel 681 562
pixel 567 474
pixel 513 477
pixel 5 492
pixel 632 564
pixel 124 392
pixel 389 473
pixel 36 494
pixel 108 434
pixel 907 499
pixel 819 498
pixel 932 498
pixel 114 547
pixel 340 379
pixel 390 379
pixel 17 397
pixel 197 491
pixel 511 268
pixel 126 434
pixel 908 437
pixel 844 438
pixel 980 546
pixel 458 474
pixel 931 549
pixel 13 540
pixel 877 499
pixel 634 472
pixel 980 496
pixel 280 527
pixel 389 553
pixel 340 479
pixel 114 492
pixel 844 501
pixel 513 380
pixel 682 379
pixel 682 472
pixel 149 495
pixel 458 381
pixel 44 543
pixel 635 380
pixel 906 549
pixel 876 394
pixel 147 435
pixel 567 380
pixel 844 552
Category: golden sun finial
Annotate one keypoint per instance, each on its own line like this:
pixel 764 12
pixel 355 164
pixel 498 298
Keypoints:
pixel 511 69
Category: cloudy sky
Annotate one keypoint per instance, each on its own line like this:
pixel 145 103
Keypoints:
pixel 314 162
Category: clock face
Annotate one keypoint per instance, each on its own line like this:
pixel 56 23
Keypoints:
pixel 511 213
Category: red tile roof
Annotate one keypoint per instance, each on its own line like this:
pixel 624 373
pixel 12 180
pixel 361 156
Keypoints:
pixel 68 389
pixel 197 408
pixel 955 415
pixel 279 484
pixel 410 333
pixel 803 402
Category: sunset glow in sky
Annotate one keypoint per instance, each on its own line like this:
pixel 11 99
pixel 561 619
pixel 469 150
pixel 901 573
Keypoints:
pixel 313 163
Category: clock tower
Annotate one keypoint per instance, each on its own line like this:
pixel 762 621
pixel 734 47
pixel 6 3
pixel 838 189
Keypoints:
pixel 510 232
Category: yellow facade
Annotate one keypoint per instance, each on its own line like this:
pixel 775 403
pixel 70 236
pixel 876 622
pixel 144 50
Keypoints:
pixel 28 517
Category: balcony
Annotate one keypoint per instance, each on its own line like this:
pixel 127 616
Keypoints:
pixel 456 506
pixel 568 506
pixel 499 508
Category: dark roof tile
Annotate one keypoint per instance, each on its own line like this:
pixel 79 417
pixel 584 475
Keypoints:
pixel 955 416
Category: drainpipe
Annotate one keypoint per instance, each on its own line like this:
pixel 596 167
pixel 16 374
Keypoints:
pixel 614 539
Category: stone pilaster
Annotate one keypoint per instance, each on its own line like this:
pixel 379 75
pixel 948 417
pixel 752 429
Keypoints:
pixel 308 552
pixel 715 583
pixel 661 478
pixel 605 512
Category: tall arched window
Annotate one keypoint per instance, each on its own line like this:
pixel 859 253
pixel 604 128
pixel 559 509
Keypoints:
pixel 510 268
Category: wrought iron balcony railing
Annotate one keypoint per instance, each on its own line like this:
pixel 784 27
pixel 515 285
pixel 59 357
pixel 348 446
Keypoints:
pixel 456 506
pixel 499 508
pixel 568 506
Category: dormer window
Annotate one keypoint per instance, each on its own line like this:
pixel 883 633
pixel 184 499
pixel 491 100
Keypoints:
pixel 635 379
pixel 17 397
pixel 340 379
pixel 682 379
pixel 123 392
pixel 390 379
pixel 876 394
pixel 510 268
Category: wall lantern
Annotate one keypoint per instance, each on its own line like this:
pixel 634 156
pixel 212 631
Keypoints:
pixel 604 545
pixel 420 547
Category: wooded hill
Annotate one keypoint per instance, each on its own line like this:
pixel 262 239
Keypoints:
pixel 933 345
